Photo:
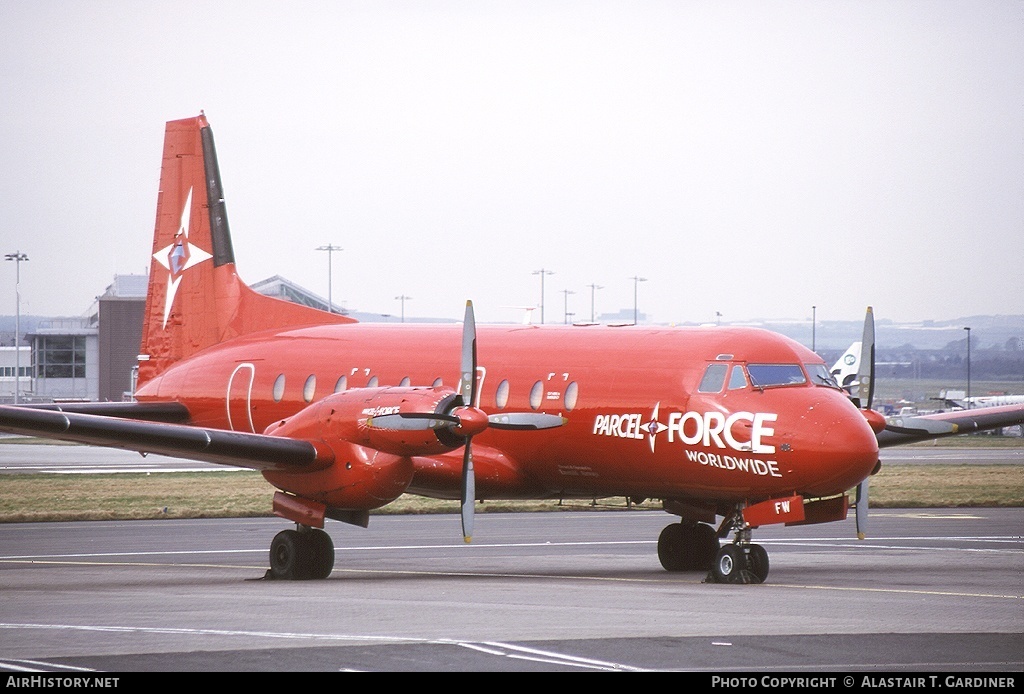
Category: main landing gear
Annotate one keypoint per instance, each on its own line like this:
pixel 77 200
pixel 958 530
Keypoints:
pixel 689 546
pixel 301 554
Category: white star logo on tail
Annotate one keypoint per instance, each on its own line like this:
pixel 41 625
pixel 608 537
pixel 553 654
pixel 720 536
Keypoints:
pixel 179 256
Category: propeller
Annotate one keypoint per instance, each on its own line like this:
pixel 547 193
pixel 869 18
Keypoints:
pixel 466 419
pixel 865 395
pixel 467 388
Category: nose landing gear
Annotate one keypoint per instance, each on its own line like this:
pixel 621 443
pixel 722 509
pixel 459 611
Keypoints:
pixel 741 561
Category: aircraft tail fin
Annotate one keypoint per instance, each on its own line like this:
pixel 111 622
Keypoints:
pixel 195 297
pixel 846 368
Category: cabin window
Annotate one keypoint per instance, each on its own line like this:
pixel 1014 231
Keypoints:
pixel 714 378
pixel 765 375
pixel 536 394
pixel 341 384
pixel 501 395
pixel 279 388
pixel 572 392
pixel 372 383
pixel 405 382
pixel 438 382
pixel 308 388
pixel 737 379
pixel 820 375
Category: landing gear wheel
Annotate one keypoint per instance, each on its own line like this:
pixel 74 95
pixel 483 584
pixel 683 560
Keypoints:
pixel 684 547
pixel 319 553
pixel 298 555
pixel 757 560
pixel 286 556
pixel 705 547
pixel 730 565
pixel 672 548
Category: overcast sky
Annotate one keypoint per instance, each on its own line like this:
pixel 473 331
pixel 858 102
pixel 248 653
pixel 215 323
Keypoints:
pixel 752 159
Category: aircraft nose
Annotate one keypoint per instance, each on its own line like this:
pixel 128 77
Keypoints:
pixel 842 445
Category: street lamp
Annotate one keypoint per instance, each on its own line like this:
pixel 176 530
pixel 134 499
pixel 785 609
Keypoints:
pixel 593 288
pixel 567 292
pixel 330 248
pixel 542 272
pixel 403 299
pixel 814 328
pixel 17 257
pixel 968 367
pixel 636 284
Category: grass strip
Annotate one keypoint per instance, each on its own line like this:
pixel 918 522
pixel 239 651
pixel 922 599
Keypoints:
pixel 242 493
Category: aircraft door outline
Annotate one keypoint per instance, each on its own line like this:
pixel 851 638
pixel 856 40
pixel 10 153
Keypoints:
pixel 246 397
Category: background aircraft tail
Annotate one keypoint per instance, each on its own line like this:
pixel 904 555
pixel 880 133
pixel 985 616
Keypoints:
pixel 845 369
pixel 195 297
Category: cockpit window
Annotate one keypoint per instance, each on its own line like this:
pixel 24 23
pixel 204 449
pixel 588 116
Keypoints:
pixel 737 379
pixel 820 375
pixel 714 378
pixel 764 375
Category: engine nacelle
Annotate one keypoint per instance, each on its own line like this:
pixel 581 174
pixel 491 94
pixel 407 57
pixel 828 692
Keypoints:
pixel 371 466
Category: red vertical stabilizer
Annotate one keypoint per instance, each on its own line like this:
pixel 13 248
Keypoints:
pixel 195 297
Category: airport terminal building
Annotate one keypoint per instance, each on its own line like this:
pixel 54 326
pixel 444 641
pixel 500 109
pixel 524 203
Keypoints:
pixel 93 357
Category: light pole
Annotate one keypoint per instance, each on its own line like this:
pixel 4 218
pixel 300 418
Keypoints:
pixel 968 367
pixel 330 248
pixel 567 292
pixel 814 328
pixel 542 272
pixel 17 257
pixel 593 288
pixel 636 284
pixel 403 299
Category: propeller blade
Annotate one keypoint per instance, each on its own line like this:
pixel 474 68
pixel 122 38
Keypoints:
pixel 468 493
pixel 865 399
pixel 467 379
pixel 467 388
pixel 526 421
pixel 412 421
pixel 862 509
pixel 866 371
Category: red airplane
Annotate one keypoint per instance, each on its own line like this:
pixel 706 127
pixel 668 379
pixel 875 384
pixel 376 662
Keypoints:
pixel 344 417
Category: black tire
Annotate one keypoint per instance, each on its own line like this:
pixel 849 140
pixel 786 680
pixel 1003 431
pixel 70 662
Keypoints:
pixel 319 553
pixel 672 547
pixel 286 556
pixel 705 547
pixel 757 560
pixel 730 565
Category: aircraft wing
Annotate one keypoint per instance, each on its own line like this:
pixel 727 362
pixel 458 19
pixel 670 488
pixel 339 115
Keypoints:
pixel 255 451
pixel 901 430
pixel 146 411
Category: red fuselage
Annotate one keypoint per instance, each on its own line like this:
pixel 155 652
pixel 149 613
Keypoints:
pixel 639 421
